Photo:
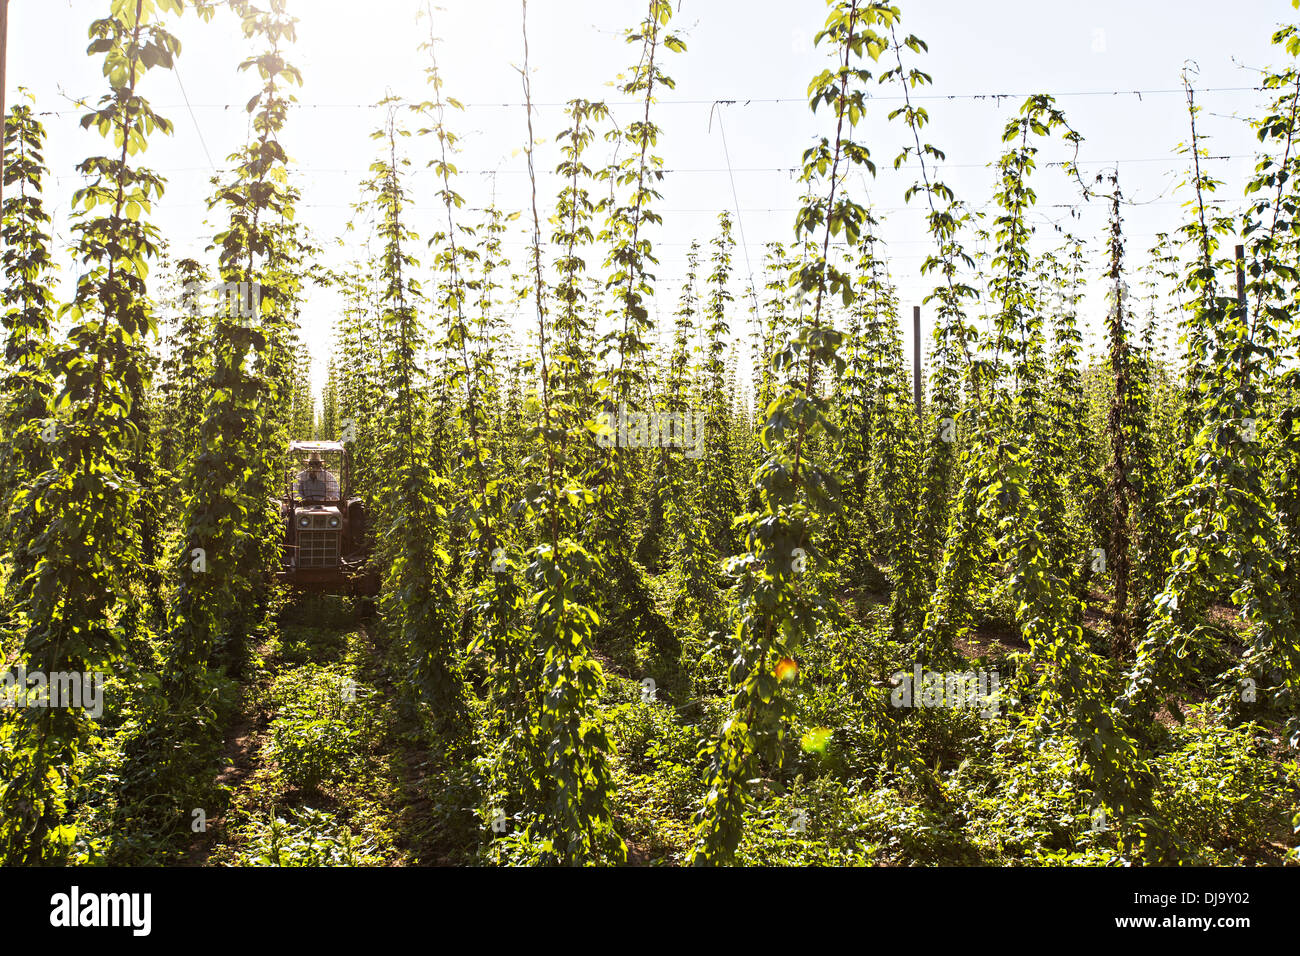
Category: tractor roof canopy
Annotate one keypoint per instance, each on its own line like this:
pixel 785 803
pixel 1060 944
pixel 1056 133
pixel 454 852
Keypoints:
pixel 316 446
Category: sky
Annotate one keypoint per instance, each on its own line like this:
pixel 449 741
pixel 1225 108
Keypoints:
pixel 733 130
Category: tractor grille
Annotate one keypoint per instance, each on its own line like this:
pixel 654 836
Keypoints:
pixel 318 549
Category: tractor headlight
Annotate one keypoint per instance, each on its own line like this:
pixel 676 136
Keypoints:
pixel 304 521
pixel 334 521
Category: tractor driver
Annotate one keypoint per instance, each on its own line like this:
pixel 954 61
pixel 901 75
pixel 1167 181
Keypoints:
pixel 316 483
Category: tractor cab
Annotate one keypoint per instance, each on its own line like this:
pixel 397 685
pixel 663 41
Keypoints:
pixel 325 544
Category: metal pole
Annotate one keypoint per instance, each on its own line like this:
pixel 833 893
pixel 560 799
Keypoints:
pixel 916 356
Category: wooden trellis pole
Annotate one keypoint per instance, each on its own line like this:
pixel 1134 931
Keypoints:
pixel 4 43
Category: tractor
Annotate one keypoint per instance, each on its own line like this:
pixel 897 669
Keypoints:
pixel 325 542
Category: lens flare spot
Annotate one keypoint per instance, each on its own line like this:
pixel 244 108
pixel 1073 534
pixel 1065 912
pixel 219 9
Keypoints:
pixel 816 740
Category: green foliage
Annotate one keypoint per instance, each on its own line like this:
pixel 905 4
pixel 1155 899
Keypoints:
pixel 776 612
pixel 77 513
pixel 569 772
pixel 306 837
pixel 416 600
pixel 27 389
pixel 606 639
pixel 318 726
pixel 1220 793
